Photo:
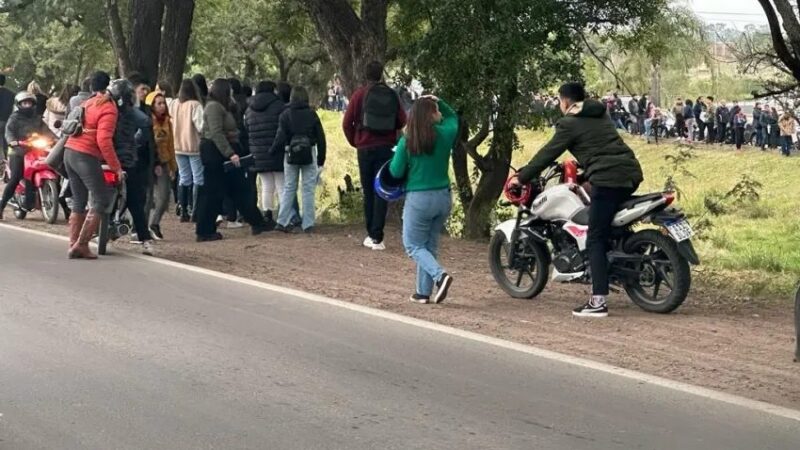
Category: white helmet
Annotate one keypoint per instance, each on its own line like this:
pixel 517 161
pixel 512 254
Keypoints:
pixel 22 97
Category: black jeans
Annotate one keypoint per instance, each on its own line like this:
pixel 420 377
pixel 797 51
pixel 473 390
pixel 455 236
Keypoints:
pixel 217 185
pixel 16 165
pixel 701 130
pixel 712 134
pixel 722 128
pixel 136 185
pixel 605 204
pixel 370 162
pixel 738 136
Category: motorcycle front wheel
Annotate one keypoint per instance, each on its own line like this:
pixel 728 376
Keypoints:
pixel 664 275
pixel 527 277
pixel 102 234
pixel 48 195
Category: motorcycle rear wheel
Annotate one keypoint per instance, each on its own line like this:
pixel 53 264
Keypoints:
pixel 48 195
pixel 664 266
pixel 534 270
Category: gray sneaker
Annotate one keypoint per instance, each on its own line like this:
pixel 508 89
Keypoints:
pixel 147 248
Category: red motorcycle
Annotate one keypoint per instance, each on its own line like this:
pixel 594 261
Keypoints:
pixel 44 180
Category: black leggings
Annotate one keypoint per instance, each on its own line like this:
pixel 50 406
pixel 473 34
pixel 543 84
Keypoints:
pixel 605 203
pixel 16 165
pixel 216 186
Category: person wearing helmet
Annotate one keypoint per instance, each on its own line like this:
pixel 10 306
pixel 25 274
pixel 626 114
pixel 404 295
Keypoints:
pixel 83 160
pixel 22 124
pixel 130 123
pixel 422 156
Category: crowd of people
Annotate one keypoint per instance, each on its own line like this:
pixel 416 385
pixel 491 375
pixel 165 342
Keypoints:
pixel 209 145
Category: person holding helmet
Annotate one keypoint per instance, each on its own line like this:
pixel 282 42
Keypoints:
pixel 22 124
pixel 83 158
pixel 423 157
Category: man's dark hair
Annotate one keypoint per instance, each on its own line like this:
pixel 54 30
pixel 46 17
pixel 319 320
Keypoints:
pixel 86 84
pixel 374 71
pixel 236 85
pixel 166 87
pixel 573 91
pixel 710 98
pixel 202 86
pixel 266 86
pixel 284 91
pixel 2 80
pixel 137 79
pixel 100 81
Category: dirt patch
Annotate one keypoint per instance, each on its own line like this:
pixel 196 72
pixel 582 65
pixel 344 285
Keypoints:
pixel 713 340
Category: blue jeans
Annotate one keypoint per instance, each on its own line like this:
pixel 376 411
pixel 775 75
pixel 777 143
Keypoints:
pixel 424 216
pixel 648 125
pixel 190 170
pixel 786 145
pixel 291 178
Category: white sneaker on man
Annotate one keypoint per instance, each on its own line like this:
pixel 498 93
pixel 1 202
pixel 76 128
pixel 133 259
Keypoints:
pixel 234 225
pixel 370 243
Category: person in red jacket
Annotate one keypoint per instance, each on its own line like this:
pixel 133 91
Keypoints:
pixel 372 124
pixel 83 159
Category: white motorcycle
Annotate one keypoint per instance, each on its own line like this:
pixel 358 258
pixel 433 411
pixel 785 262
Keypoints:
pixel 651 246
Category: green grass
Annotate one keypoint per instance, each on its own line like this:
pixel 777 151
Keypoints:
pixel 753 249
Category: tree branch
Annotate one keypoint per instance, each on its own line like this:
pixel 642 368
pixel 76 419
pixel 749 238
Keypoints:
pixel 17 5
pixel 781 49
pixel 773 92
pixel 118 36
pixel 603 63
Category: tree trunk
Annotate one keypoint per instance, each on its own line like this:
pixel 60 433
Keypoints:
pixel 117 33
pixel 496 167
pixel 655 85
pixel 175 36
pixel 460 167
pixel 352 42
pixel 146 17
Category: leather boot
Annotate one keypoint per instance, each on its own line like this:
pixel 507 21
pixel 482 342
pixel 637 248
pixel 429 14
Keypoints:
pixel 184 193
pixel 81 248
pixel 75 224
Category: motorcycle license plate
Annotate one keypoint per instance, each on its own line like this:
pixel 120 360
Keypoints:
pixel 680 230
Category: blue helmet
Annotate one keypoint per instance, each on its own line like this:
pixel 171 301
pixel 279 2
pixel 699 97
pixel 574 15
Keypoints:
pixel 387 186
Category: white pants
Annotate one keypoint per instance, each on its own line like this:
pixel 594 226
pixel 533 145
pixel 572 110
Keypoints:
pixel 271 186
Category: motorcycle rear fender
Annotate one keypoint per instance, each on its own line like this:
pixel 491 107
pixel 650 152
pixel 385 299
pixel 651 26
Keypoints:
pixel 686 249
pixel 628 216
pixel 666 216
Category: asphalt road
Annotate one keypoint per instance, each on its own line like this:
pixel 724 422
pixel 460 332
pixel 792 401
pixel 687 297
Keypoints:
pixel 123 353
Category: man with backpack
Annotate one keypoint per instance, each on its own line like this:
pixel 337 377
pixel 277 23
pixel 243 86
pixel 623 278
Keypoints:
pixel 372 124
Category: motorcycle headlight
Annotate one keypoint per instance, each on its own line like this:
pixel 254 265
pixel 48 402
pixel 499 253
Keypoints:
pixel 40 143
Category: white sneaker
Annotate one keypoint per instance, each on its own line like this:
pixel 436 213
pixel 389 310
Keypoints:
pixel 147 248
pixel 234 225
pixel 370 243
pixel 220 220
pixel 135 239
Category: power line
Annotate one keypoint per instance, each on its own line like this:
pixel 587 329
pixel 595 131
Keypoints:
pixel 730 13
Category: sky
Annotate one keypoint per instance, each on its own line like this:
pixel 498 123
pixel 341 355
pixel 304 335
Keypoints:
pixel 737 13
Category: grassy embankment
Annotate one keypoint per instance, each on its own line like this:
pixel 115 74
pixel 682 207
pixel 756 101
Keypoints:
pixel 752 249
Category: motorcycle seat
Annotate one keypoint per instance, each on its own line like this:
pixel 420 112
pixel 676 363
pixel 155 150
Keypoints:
pixel 636 199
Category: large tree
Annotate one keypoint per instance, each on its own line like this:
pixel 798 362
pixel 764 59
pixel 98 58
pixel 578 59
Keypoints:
pixel 178 18
pixel 352 40
pixel 784 54
pixel 487 57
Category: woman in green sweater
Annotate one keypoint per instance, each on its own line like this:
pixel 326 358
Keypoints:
pixel 423 157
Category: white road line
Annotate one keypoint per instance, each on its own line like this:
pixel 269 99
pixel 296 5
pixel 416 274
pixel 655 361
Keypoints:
pixel 736 400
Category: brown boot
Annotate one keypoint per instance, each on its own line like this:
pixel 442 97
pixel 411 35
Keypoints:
pixel 75 224
pixel 81 247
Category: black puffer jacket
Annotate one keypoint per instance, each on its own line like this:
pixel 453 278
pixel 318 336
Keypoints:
pixel 300 120
pixel 261 121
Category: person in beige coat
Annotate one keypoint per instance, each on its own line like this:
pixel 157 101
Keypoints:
pixel 788 128
pixel 187 123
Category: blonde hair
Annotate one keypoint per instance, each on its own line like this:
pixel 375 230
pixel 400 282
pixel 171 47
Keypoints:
pixel 34 88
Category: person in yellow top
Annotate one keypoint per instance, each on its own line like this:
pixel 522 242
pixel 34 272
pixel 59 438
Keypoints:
pixel 166 164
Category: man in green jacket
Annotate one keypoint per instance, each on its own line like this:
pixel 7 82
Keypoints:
pixel 610 166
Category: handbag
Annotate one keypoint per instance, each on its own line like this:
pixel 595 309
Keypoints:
pixel 73 124
pixel 300 151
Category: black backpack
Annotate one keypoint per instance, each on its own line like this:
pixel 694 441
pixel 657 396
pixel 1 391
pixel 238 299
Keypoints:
pixel 380 109
pixel 300 151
